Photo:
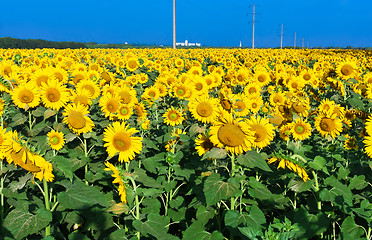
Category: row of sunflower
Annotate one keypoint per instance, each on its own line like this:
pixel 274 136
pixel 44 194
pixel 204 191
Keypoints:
pixel 189 136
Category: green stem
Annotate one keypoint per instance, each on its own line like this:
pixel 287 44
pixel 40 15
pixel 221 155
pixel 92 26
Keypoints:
pixel 47 206
pixel 86 155
pixel 319 203
pixel 369 233
pixel 232 165
pixel 137 216
pixel 30 120
pixel 1 194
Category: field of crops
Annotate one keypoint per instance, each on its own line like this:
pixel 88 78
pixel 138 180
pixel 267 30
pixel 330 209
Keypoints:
pixel 185 144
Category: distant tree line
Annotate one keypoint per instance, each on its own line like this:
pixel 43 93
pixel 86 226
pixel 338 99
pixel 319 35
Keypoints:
pixel 8 42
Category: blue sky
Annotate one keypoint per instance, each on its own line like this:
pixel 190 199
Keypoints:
pixel 322 23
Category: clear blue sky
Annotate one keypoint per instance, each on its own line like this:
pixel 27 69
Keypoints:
pixel 321 23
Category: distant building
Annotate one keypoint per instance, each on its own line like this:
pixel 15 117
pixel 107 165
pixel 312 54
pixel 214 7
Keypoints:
pixel 187 44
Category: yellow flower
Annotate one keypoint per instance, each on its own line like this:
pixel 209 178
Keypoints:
pixel 173 116
pixel 54 94
pixel 301 129
pixel 231 133
pixel 26 96
pixel 75 116
pixel 55 140
pixel 262 129
pixel 119 139
pixel 118 180
pixel 204 108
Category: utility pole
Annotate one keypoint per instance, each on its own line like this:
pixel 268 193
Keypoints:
pixel 174 24
pixel 302 42
pixel 307 45
pixel 281 38
pixel 294 46
pixel 253 27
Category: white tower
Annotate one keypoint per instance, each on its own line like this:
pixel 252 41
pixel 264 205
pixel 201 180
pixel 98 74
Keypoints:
pixel 186 43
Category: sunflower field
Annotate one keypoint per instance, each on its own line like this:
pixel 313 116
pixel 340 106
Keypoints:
pixel 185 144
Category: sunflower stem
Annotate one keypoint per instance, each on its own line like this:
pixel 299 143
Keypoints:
pixel 30 120
pixel 137 216
pixel 319 203
pixel 86 155
pixel 1 193
pixel 47 205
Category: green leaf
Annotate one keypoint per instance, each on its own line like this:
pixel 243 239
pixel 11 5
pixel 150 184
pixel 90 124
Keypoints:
pixel 196 232
pixel 338 193
pixel 118 234
pixel 253 220
pixel 215 189
pixel 250 233
pixel 49 113
pixel 308 224
pixel 358 182
pixel 258 190
pixel 16 185
pixel 21 223
pixel 318 163
pixel 77 235
pixel 350 230
pixel 253 159
pixel 204 214
pixel 155 225
pixel 300 185
pixel 64 165
pixel 149 144
pixel 17 120
pixel 81 196
pixel 215 153
pixel 70 137
pixel 151 162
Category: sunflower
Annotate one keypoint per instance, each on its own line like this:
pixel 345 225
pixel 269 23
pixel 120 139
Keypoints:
pixel 328 124
pixel 351 143
pixel 75 116
pixel 262 78
pixel 54 94
pixel 285 131
pixel 254 104
pixel 291 164
pixel 346 69
pixel 127 95
pixel 181 91
pixel 368 145
pixel 55 140
pixel 301 129
pixel 118 180
pixel 252 90
pixel 109 105
pixel 204 108
pixel 81 96
pixel 124 112
pixel 240 105
pixel 198 86
pixel 140 110
pixel 132 64
pixel 326 106
pixel 301 107
pixel 15 152
pixel 77 76
pixel 231 133
pixel 263 131
pixel 119 139
pixel 26 96
pixel 277 98
pixel 203 144
pixel 151 93
pixel 173 116
pixel 91 86
pixel 2 141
